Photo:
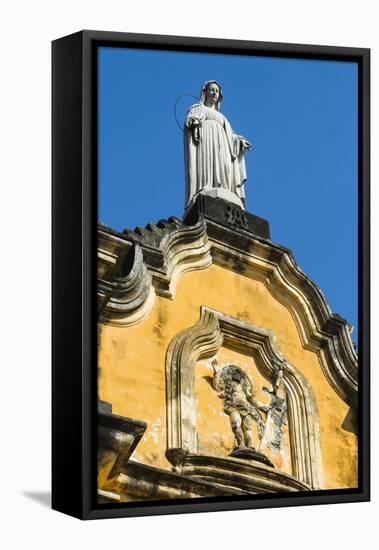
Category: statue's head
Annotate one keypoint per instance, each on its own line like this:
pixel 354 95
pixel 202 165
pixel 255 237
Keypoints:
pixel 211 92
pixel 233 373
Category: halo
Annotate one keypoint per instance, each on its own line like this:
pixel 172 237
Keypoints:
pixel 176 103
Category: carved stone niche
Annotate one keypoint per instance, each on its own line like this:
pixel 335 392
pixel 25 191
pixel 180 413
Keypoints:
pixel 203 340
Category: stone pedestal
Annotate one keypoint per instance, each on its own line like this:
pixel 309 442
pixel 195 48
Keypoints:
pixel 226 213
pixel 247 453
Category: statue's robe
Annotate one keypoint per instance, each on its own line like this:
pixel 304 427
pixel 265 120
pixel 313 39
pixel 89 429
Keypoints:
pixel 218 159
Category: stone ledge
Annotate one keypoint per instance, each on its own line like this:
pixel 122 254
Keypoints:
pixel 118 436
pixel 140 481
pixel 236 473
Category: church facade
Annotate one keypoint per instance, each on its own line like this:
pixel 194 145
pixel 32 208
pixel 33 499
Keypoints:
pixel 221 368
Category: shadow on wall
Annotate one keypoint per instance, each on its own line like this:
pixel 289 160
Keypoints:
pixel 350 423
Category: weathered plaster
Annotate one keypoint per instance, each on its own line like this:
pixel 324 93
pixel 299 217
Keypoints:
pixel 132 362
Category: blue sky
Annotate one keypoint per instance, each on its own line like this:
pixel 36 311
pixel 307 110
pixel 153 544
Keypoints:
pixel 301 116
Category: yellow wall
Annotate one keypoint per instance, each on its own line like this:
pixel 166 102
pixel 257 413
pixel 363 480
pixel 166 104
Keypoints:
pixel 132 367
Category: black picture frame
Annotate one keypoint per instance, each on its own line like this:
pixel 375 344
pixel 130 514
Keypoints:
pixel 74 204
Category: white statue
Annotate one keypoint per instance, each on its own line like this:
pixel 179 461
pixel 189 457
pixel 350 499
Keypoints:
pixel 213 152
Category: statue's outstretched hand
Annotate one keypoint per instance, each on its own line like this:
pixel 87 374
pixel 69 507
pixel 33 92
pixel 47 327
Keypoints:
pixel 194 124
pixel 246 144
pixel 214 365
pixel 191 122
pixel 196 134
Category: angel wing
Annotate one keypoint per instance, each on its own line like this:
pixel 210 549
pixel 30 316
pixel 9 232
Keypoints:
pixel 216 380
pixel 276 416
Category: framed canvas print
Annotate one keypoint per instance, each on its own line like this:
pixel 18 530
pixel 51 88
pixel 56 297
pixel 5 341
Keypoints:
pixel 210 274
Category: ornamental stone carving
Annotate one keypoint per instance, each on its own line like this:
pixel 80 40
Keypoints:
pixel 237 390
pixel 203 340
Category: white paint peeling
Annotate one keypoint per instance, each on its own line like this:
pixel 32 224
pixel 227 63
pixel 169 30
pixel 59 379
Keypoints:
pixel 154 431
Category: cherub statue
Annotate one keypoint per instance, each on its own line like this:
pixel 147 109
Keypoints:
pixel 236 389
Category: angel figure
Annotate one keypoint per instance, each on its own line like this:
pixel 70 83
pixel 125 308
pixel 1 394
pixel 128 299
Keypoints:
pixel 236 389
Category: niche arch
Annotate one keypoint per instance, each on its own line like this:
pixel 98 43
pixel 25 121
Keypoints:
pixel 203 340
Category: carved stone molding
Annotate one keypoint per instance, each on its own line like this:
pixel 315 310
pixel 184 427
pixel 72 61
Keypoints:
pixel 203 340
pixel 247 476
pixel 117 437
pixel 153 234
pixel 141 481
pixel 131 274
pixel 187 248
pixel 127 299
pixel 175 248
pixel 321 331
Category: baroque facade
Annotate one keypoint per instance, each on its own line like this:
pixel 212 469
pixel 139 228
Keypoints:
pixel 221 368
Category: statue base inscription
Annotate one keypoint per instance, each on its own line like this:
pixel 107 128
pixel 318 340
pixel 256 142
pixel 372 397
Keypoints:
pixel 226 213
pixel 247 453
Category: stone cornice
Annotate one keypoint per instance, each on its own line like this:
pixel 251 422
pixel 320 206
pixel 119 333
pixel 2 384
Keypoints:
pixel 186 248
pixel 251 477
pixel 130 274
pixel 320 330
pixel 128 298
